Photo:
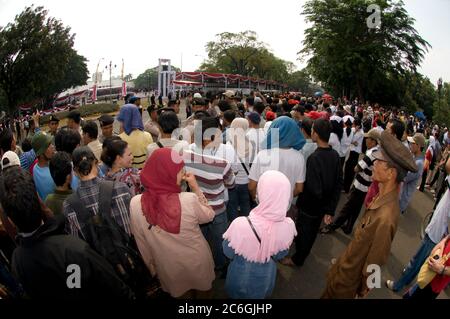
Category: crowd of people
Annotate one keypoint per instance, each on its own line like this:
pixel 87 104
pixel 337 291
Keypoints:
pixel 241 184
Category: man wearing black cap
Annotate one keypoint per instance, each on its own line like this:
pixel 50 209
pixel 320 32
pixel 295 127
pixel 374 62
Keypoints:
pixel 53 125
pixel 175 104
pixel 106 124
pixel 371 246
pixel 151 125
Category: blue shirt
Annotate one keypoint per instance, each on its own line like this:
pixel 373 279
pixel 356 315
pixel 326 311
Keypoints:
pixel 250 280
pixel 43 181
pixel 410 183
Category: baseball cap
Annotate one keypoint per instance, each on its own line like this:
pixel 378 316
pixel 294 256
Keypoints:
pixel 197 96
pixel 229 93
pixel 53 118
pixel 10 159
pixel 106 119
pixel 373 134
pixel 133 99
pixel 270 116
pixel 418 139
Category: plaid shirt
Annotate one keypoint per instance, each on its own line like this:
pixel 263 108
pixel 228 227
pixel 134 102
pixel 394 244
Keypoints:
pixel 88 192
pixel 129 176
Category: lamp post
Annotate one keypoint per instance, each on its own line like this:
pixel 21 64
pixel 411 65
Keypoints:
pixel 110 78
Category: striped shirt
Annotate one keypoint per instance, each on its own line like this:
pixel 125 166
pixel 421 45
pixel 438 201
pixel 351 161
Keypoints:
pixel 27 159
pixel 88 191
pixel 213 175
pixel 364 178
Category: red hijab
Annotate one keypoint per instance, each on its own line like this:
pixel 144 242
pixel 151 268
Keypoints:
pixel 160 201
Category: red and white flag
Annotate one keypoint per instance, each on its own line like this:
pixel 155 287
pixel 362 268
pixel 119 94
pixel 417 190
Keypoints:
pixel 124 88
pixel 94 92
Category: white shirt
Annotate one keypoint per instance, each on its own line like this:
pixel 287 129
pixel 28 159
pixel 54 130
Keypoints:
pixel 256 136
pixel 241 174
pixel 334 143
pixel 437 227
pixel 346 141
pixel 358 137
pixel 290 162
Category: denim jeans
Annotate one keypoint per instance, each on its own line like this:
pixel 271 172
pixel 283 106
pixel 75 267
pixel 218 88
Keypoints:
pixel 415 264
pixel 213 233
pixel 239 197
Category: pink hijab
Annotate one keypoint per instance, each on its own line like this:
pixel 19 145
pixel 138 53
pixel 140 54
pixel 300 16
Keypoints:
pixel 269 219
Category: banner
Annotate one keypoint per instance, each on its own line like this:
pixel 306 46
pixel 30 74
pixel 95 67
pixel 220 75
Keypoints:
pixel 124 88
pixel 94 92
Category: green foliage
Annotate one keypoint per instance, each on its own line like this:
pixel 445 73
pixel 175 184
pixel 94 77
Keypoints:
pixel 242 53
pixel 442 106
pixel 149 79
pixel 351 59
pixel 37 59
pixel 85 110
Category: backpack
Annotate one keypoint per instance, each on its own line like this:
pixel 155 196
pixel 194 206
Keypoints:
pixel 109 240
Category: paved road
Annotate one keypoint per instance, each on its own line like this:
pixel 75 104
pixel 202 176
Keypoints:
pixel 308 282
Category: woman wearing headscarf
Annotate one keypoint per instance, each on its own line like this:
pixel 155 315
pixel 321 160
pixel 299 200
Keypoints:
pixel 240 198
pixel 281 152
pixel 255 243
pixel 165 223
pixel 133 133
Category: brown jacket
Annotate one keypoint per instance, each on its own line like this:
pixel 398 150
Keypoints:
pixel 371 245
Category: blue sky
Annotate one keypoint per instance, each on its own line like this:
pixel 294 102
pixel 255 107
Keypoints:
pixel 143 31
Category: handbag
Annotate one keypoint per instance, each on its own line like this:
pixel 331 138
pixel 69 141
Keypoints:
pixel 426 274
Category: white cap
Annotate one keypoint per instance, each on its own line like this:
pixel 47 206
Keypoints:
pixel 257 99
pixel 197 96
pixel 229 93
pixel 10 159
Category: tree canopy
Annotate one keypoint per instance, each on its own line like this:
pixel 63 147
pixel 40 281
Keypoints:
pixel 37 59
pixel 148 80
pixel 243 53
pixel 349 58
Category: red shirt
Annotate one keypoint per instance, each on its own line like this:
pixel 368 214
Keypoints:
pixel 32 166
pixel 440 282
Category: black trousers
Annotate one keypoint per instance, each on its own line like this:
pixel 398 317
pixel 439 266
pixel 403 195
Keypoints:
pixel 424 179
pixel 350 212
pixel 349 171
pixel 307 229
pixel 426 293
pixel 342 162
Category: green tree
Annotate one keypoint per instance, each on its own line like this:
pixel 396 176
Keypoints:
pixel 242 53
pixel 442 106
pixel 37 59
pixel 352 59
pixel 300 81
pixel 148 80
